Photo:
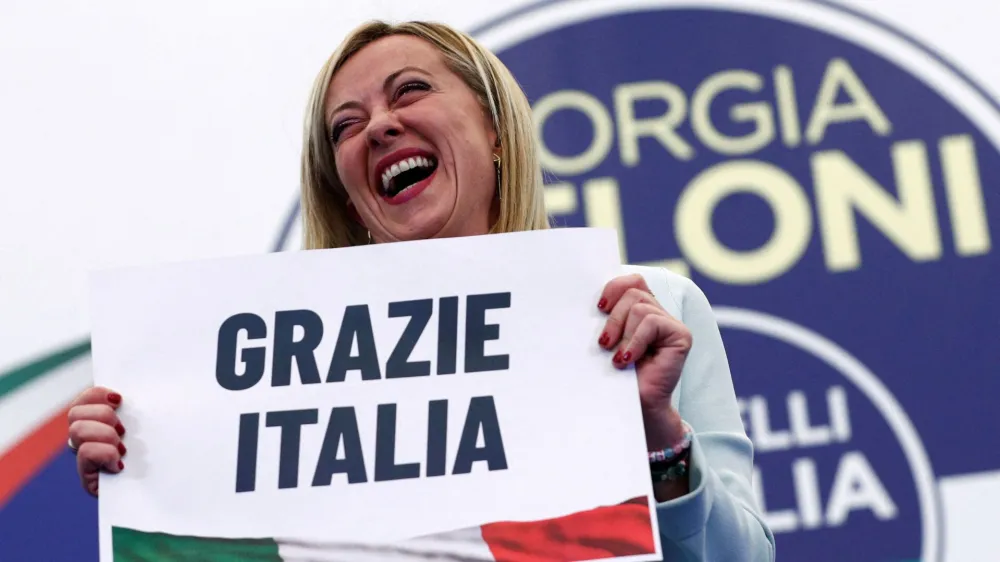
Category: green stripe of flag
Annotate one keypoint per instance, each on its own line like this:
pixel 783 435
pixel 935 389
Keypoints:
pixel 12 380
pixel 129 545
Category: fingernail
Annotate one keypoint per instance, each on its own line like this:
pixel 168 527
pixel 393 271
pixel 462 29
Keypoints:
pixel 618 357
pixel 121 448
pixel 121 465
pixel 604 339
pixel 602 304
pixel 114 398
pixel 120 429
pixel 627 356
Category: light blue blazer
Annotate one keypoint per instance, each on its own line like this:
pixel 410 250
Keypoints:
pixel 719 520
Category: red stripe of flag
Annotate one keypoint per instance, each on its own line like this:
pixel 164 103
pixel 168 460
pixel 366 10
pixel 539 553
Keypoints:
pixel 604 532
pixel 33 452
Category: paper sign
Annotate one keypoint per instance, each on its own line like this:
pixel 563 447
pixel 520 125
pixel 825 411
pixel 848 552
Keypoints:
pixel 386 402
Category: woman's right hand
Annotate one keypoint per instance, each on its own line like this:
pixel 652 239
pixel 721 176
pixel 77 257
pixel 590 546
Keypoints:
pixel 96 433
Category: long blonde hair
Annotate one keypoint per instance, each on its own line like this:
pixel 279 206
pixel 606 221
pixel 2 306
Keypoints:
pixel 326 221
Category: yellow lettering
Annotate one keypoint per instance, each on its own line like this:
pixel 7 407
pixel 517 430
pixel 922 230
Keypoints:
pixel 662 128
pixel 600 121
pixel 862 107
pixel 842 188
pixel 788 107
pixel 965 196
pixel 758 113
pixel 697 240
pixel 560 199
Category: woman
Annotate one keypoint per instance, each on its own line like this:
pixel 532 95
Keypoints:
pixel 415 131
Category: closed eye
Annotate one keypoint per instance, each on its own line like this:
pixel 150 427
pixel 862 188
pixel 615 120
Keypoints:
pixel 338 129
pixel 412 86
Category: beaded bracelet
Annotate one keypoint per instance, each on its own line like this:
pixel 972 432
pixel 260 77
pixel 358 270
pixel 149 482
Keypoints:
pixel 673 453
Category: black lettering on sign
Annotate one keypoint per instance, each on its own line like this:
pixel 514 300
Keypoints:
pixel 447 336
pixel 290 422
pixel 482 415
pixel 286 349
pixel 385 448
pixel 241 368
pixel 246 453
pixel 478 332
pixel 342 428
pixel 357 324
pixel 252 357
pixel 419 313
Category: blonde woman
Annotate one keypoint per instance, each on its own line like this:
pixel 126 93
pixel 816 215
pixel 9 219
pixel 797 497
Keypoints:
pixel 415 131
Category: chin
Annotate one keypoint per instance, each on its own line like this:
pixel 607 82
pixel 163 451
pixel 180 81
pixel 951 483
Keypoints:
pixel 421 228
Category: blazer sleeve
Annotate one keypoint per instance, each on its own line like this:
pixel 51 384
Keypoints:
pixel 719 520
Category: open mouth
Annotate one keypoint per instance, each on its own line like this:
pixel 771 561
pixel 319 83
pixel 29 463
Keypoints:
pixel 405 174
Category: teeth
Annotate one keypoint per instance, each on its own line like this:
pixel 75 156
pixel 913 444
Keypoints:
pixel 403 166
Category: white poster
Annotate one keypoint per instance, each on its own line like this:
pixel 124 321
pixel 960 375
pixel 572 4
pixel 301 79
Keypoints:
pixel 386 402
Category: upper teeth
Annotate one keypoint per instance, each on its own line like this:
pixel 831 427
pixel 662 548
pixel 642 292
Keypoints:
pixel 402 166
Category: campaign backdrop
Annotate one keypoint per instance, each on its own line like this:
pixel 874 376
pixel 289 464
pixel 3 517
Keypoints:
pixel 825 172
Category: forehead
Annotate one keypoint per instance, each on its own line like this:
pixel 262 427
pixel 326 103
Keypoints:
pixel 366 70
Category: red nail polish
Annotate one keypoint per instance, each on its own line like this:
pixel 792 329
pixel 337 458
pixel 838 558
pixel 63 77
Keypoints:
pixel 627 356
pixel 602 304
pixel 121 449
pixel 121 465
pixel 604 339
pixel 120 429
pixel 618 357
pixel 114 398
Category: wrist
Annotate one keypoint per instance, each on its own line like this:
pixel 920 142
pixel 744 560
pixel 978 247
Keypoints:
pixel 664 429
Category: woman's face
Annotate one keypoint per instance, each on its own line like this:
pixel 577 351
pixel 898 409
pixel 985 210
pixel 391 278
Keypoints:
pixel 412 144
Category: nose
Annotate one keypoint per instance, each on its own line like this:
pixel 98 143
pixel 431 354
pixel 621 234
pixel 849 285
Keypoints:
pixel 383 128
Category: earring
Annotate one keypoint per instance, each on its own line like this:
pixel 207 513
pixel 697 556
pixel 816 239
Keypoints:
pixel 370 237
pixel 496 165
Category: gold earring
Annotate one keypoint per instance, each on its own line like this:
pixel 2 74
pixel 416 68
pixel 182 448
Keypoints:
pixel 496 166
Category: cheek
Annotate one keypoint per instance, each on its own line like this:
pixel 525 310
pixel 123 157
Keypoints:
pixel 352 169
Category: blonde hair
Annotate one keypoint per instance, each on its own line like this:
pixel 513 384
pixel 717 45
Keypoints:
pixel 326 221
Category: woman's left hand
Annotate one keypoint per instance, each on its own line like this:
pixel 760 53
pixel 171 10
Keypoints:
pixel 643 333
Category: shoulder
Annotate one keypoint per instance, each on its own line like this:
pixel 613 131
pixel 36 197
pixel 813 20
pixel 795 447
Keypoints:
pixel 680 296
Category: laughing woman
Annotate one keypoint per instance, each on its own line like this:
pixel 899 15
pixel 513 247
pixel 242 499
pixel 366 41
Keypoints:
pixel 415 131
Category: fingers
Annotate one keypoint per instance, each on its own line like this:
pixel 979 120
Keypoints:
pixel 636 316
pixel 97 395
pixel 86 431
pixel 98 413
pixel 92 458
pixel 617 287
pixel 660 332
pixel 96 431
pixel 619 314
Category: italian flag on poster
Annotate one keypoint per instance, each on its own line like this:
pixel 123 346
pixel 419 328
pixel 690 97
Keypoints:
pixel 605 532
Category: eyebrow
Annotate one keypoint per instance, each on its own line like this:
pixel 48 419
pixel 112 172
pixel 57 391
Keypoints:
pixel 385 87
